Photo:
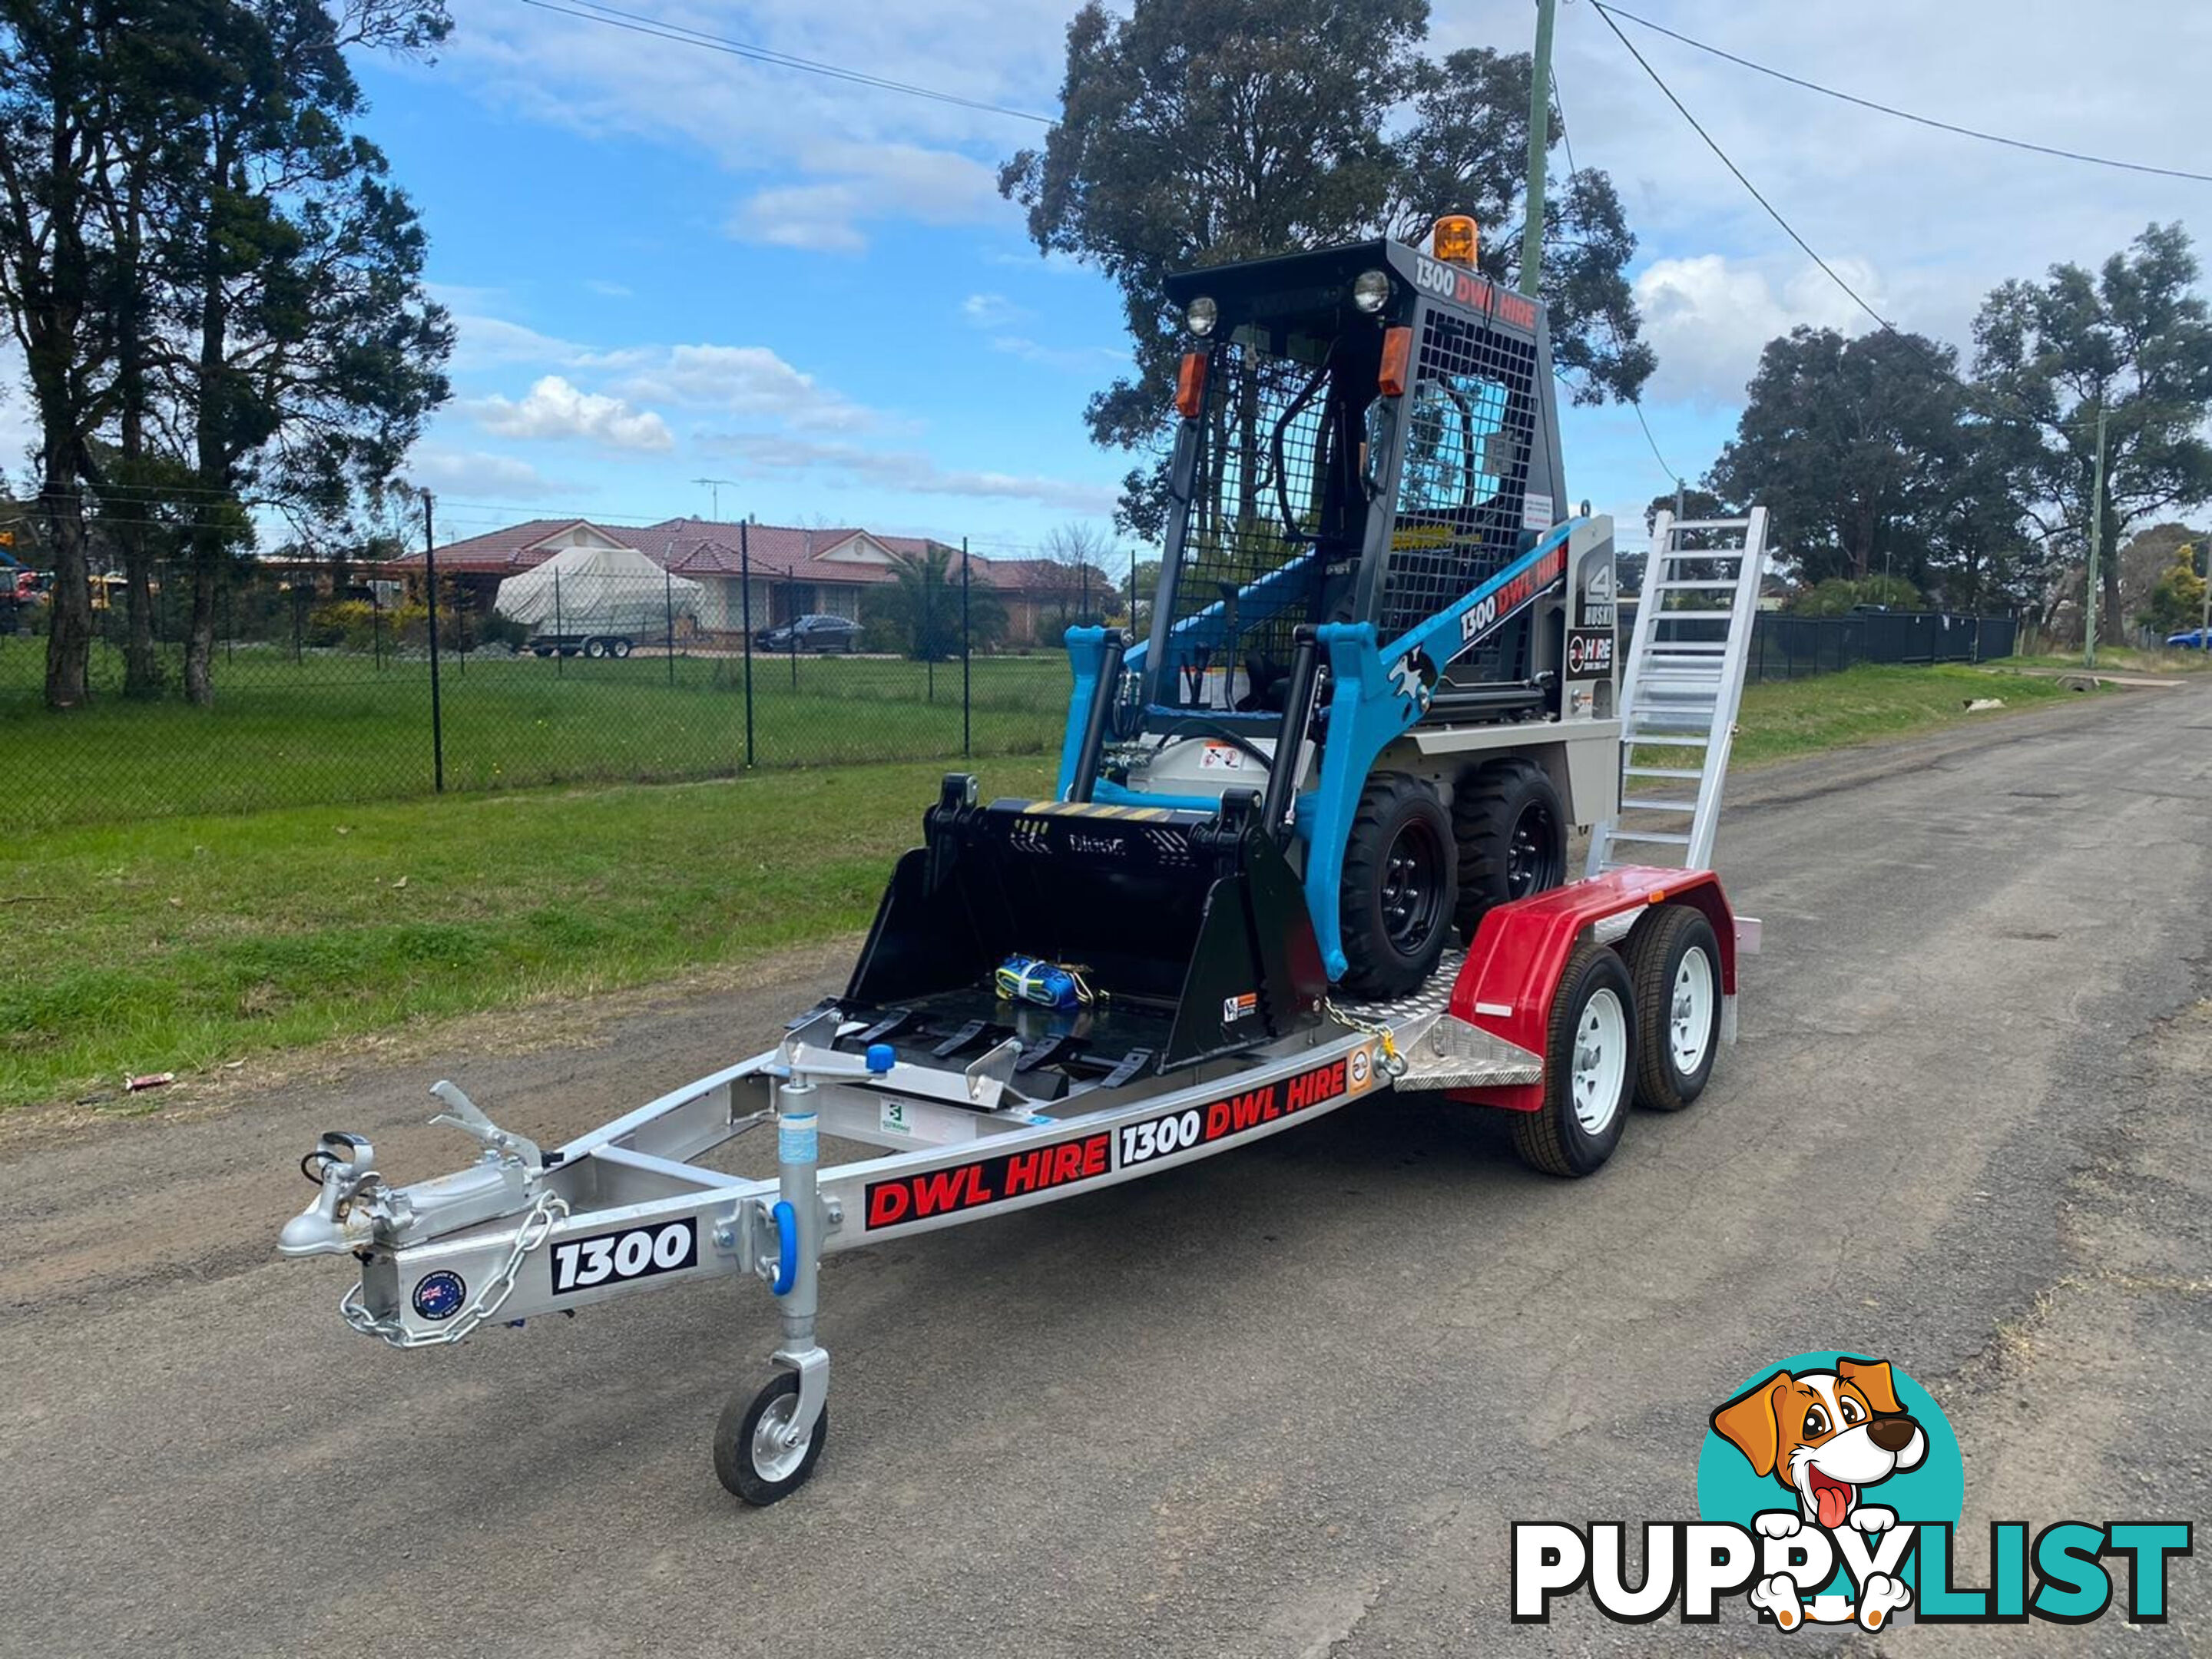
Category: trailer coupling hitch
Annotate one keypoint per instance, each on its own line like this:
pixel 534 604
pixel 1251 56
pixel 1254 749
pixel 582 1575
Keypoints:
pixel 356 1209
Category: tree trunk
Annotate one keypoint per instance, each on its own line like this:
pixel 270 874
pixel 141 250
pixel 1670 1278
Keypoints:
pixel 210 540
pixel 68 636
pixel 211 464
pixel 141 661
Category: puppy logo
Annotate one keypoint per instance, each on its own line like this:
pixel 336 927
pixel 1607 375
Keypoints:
pixel 1825 1435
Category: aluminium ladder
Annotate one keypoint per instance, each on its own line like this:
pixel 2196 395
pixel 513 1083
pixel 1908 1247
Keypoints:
pixel 1680 689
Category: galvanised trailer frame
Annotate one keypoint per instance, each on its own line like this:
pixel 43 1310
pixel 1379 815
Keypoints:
pixel 628 1206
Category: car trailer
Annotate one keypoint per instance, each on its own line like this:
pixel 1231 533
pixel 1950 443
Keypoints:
pixel 1152 967
pixel 1545 1016
pixel 1568 1006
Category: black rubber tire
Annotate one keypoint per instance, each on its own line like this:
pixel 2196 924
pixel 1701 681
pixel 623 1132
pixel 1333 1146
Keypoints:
pixel 1492 803
pixel 1552 1139
pixel 595 648
pixel 1655 952
pixel 733 1440
pixel 541 650
pixel 618 648
pixel 1396 920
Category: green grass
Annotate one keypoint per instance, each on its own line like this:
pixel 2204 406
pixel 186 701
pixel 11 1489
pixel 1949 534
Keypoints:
pixel 1866 704
pixel 184 942
pixel 336 727
pixel 2122 658
pixel 179 943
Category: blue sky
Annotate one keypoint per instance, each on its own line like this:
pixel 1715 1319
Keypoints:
pixel 669 263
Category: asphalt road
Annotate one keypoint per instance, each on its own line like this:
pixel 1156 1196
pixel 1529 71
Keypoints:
pixel 1284 1403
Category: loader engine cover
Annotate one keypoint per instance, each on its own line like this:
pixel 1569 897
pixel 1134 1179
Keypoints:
pixel 1190 924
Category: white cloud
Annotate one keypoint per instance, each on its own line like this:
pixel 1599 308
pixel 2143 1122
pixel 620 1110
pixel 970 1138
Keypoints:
pixel 991 311
pixel 867 183
pixel 479 476
pixel 609 290
pixel 908 470
pixel 748 381
pixel 1073 360
pixel 487 342
pixel 1708 317
pixel 553 408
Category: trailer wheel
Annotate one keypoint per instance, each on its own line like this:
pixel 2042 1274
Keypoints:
pixel 1674 961
pixel 620 648
pixel 749 1456
pixel 541 650
pixel 1590 1067
pixel 1395 902
pixel 595 648
pixel 1512 837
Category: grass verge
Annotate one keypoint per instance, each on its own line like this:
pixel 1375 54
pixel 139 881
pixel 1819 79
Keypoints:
pixel 180 943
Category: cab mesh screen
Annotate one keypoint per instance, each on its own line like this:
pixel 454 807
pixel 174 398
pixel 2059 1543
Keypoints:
pixel 1470 418
pixel 1254 502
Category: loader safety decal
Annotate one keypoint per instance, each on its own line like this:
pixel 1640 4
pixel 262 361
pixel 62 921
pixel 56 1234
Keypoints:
pixel 903 1199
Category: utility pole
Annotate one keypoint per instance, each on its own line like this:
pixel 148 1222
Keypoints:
pixel 2096 549
pixel 714 493
pixel 2204 622
pixel 1540 142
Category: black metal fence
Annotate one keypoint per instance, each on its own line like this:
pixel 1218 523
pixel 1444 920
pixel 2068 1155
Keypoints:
pixel 1788 647
pixel 323 697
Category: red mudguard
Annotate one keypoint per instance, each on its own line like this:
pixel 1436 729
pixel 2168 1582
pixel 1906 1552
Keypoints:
pixel 1512 969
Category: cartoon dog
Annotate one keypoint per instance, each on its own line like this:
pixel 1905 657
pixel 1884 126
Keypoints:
pixel 1826 1436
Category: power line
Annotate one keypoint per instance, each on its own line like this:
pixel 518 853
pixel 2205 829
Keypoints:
pixel 1634 402
pixel 659 29
pixel 1772 212
pixel 1611 12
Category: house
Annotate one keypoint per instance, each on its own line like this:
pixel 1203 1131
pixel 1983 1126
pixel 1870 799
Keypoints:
pixel 794 572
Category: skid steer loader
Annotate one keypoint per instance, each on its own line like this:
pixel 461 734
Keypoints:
pixel 1378 685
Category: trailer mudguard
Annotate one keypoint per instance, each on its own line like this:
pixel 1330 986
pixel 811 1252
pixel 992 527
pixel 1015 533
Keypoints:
pixel 1512 970
pixel 1193 921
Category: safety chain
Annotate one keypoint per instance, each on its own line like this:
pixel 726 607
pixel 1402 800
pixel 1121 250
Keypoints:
pixel 537 1226
pixel 1393 1061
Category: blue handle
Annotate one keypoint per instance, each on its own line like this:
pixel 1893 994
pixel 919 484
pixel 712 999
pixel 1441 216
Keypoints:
pixel 787 1247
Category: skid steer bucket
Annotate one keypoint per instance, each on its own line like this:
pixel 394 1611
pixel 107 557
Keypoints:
pixel 1188 928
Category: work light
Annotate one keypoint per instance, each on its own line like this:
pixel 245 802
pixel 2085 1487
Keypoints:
pixel 1201 316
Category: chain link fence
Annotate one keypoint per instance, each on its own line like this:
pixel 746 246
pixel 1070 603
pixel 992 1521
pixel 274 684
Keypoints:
pixel 328 692
pixel 1788 647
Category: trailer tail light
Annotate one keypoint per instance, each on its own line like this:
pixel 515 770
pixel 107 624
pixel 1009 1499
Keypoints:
pixel 1397 358
pixel 1190 385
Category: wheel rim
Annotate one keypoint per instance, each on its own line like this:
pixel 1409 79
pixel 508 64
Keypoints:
pixel 1412 889
pixel 1600 1061
pixel 1532 853
pixel 1690 1012
pixel 772 1461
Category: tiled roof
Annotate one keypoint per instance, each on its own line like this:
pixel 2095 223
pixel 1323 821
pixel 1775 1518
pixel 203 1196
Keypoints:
pixel 515 548
pixel 697 547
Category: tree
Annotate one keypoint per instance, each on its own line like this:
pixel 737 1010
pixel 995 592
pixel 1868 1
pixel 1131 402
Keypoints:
pixel 2135 342
pixel 2176 600
pixel 52 145
pixel 923 605
pixel 216 289
pixel 314 355
pixel 1086 587
pixel 1195 132
pixel 1844 441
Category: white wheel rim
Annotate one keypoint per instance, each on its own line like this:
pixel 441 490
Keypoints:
pixel 772 1461
pixel 1690 1012
pixel 1600 1061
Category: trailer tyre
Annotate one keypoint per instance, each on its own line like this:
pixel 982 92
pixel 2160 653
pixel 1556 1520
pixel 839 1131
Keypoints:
pixel 595 648
pixel 1674 961
pixel 749 1456
pixel 620 648
pixel 1511 831
pixel 1590 1067
pixel 1395 901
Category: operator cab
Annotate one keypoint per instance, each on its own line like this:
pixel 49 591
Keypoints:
pixel 1364 438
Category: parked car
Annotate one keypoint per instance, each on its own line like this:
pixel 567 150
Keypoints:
pixel 810 634
pixel 2190 639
